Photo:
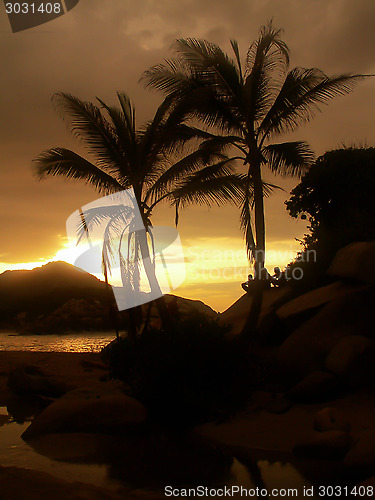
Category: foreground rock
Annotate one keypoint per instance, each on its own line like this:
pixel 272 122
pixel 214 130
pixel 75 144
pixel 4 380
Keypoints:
pixel 316 387
pixel 353 359
pixel 355 261
pixel 304 305
pixel 25 381
pixel 89 410
pixel 237 313
pixel 330 445
pixel 362 455
pixel 331 419
pixel 25 484
pixel 306 349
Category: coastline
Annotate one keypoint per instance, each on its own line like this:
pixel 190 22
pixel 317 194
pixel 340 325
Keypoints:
pixel 255 433
pixel 74 369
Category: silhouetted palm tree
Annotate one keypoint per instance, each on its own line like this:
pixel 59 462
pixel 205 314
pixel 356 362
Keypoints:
pixel 147 159
pixel 250 105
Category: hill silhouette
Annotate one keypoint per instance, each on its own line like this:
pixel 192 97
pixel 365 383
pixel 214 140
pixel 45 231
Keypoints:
pixel 28 296
pixel 59 297
pixel 49 278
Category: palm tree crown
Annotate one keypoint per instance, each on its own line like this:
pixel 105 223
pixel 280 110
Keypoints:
pixel 250 105
pixel 148 159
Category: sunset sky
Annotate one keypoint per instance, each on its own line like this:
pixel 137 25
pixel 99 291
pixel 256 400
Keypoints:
pixel 103 46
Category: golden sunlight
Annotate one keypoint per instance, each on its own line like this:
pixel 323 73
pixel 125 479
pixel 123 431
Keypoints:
pixel 214 268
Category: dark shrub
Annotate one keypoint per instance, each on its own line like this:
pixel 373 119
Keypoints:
pixel 187 375
pixel 336 196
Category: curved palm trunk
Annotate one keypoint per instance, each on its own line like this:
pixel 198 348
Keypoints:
pixel 152 279
pixel 249 328
pixel 147 262
pixel 111 308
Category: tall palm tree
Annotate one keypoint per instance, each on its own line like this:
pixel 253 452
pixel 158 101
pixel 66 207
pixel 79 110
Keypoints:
pixel 148 159
pixel 248 106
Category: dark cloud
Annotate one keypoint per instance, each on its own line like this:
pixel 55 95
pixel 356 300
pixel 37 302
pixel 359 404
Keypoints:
pixel 100 47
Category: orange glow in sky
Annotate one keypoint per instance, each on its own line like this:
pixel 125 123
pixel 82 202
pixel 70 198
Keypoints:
pixel 215 267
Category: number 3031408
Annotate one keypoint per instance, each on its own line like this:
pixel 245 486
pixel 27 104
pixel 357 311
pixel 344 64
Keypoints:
pixel 32 8
pixel 345 491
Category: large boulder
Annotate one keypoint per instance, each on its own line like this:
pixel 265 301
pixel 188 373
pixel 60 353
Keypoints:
pixel 26 381
pixel 361 457
pixel 307 347
pixel 236 315
pixel 4 419
pixel 355 261
pixel 89 410
pixel 184 307
pixel 353 359
pixel 308 303
pixel 314 388
pixel 331 419
pixel 326 445
pixel 28 484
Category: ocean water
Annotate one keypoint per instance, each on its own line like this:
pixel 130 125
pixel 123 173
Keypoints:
pixel 88 459
pixel 73 342
pixel 70 457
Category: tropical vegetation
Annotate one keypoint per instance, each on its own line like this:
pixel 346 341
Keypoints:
pixel 149 160
pixel 248 106
pixel 337 197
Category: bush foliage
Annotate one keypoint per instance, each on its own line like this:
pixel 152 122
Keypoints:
pixel 186 375
pixel 337 197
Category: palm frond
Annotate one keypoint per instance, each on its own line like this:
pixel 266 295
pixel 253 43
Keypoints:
pixel 171 77
pixel 300 97
pixel 209 191
pixel 189 164
pixel 289 159
pixel 268 50
pixel 152 137
pixel 269 188
pixel 126 135
pixel 246 223
pixel 114 217
pixel 65 163
pixel 236 51
pixel 177 136
pixel 128 112
pixel 205 105
pixel 86 123
pixel 266 63
pixel 212 66
pixel 209 95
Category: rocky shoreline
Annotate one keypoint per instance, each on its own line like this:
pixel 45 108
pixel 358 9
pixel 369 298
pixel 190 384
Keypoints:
pixel 335 435
pixel 315 409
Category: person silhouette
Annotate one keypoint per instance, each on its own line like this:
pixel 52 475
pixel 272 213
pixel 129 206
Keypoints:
pixel 248 284
pixel 278 279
